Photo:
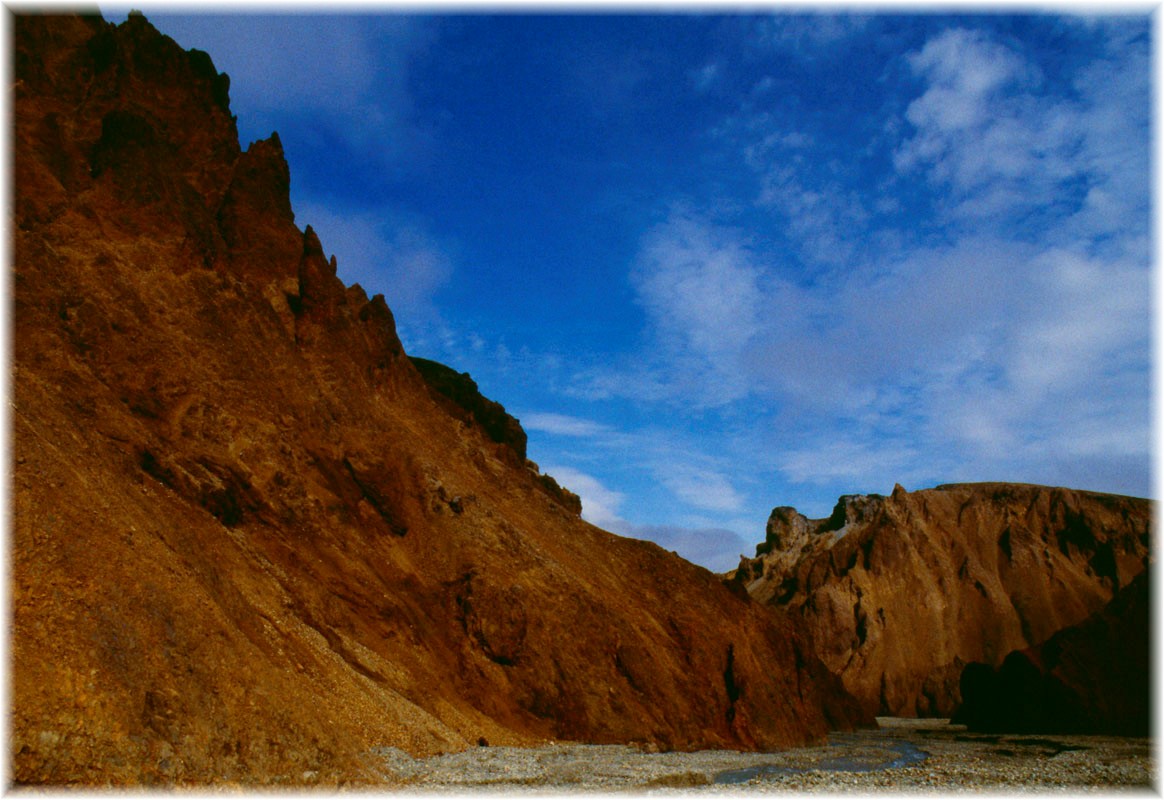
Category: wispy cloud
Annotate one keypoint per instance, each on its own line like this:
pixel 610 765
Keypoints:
pixel 966 70
pixel 600 505
pixel 564 425
pixel 824 219
pixel 810 35
pixel 699 286
pixel 807 179
pixel 718 549
pixel 1012 344
pixel 990 130
pixel 703 78
pixel 694 479
pixel 828 459
pixel 1114 119
pixel 701 488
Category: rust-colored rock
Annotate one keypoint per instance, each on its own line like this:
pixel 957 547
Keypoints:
pixel 901 592
pixel 458 392
pixel 248 544
pixel 1092 678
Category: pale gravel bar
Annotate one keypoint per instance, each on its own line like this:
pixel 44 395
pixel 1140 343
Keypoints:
pixel 885 760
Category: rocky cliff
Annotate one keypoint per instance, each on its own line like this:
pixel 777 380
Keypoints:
pixel 248 543
pixel 901 592
pixel 459 394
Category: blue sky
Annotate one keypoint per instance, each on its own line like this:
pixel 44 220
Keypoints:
pixel 721 262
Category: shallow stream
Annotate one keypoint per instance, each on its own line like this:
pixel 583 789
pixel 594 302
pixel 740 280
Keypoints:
pixel 892 754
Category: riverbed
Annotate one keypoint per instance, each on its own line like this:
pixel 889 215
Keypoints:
pixel 903 755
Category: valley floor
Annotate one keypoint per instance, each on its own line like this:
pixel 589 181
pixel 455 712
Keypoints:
pixel 904 755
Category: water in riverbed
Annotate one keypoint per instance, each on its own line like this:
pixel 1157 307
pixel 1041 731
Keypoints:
pixel 852 757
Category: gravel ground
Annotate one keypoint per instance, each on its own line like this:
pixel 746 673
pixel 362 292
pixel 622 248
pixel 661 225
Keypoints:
pixel 903 756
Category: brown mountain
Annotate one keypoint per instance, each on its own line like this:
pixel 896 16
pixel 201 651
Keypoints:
pixel 250 541
pixel 901 592
pixel 1091 678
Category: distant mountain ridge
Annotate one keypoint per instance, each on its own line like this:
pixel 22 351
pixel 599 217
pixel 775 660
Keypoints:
pixel 250 543
pixel 901 592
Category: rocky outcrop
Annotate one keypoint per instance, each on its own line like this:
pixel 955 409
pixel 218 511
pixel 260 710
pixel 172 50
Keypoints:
pixel 458 392
pixel 901 592
pixel 248 544
pixel 1091 678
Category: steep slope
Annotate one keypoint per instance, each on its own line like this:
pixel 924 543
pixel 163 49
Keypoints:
pixel 1090 678
pixel 458 392
pixel 901 592
pixel 248 543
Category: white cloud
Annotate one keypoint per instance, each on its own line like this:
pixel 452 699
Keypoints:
pixel 988 129
pixel 717 549
pixel 986 357
pixel 699 284
pixel 600 505
pixel 965 69
pixel 820 209
pixel 991 354
pixel 701 288
pixel 1114 125
pixel 860 463
pixel 563 425
pixel 1018 347
pixel 700 487
pixel 638 380
pixel 825 219
pixel 1091 317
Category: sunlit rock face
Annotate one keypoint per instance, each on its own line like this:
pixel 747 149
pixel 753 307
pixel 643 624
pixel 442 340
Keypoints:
pixel 249 541
pixel 900 592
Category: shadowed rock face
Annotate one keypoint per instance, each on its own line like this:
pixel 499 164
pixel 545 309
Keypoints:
pixel 901 592
pixel 248 543
pixel 1091 678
